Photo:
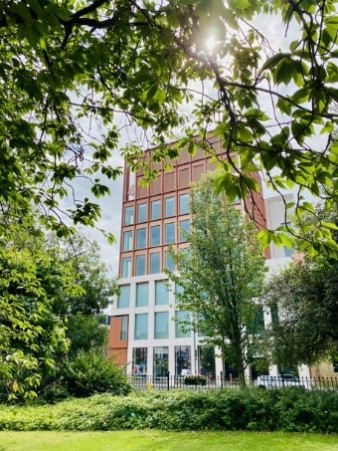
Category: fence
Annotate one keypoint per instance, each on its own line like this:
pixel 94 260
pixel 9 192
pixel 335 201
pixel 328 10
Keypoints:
pixel 198 382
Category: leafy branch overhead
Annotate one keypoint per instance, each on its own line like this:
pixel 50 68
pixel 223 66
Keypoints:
pixel 70 72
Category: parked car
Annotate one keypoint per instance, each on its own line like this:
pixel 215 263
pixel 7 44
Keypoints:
pixel 280 381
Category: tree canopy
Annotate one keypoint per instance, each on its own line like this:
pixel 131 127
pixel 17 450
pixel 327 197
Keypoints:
pixel 220 275
pixel 65 66
pixel 305 297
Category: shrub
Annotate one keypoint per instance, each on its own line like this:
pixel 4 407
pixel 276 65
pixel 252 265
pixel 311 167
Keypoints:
pixel 254 410
pixel 195 380
pixel 90 372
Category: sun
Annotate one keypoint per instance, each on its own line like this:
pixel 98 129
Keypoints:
pixel 210 43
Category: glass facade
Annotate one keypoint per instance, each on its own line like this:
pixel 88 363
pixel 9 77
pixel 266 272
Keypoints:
pixel 141 239
pixel 124 328
pixel 184 229
pixel 161 293
pixel 142 294
pixel 155 263
pixel 169 233
pixel 141 326
pixel 126 267
pixel 169 207
pixel 142 212
pixel 184 204
pixel 155 209
pixel 140 361
pixel 160 363
pixel 129 216
pixel 182 324
pixel 161 325
pixel 182 360
pixel 124 296
pixel 155 235
pixel 140 268
pixel 128 240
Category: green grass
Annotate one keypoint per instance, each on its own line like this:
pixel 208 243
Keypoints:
pixel 158 440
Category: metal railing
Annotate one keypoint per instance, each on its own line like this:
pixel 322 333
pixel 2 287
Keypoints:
pixel 197 382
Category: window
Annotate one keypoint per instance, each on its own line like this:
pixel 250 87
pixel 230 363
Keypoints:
pixel 142 294
pixel 124 328
pixel 155 235
pixel 141 326
pixel 182 324
pixel 256 322
pixel 169 206
pixel 184 229
pixel 168 261
pixel 169 230
pixel 124 296
pixel 160 361
pixel 182 360
pixel 206 360
pixel 140 269
pixel 288 252
pixel 140 361
pixel 142 212
pixel 128 241
pixel 184 204
pixel 126 267
pixel 155 263
pixel 161 325
pixel 156 209
pixel 129 216
pixel 161 293
pixel 140 238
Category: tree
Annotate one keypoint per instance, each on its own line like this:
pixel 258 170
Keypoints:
pixel 66 65
pixel 50 299
pixel 305 295
pixel 220 275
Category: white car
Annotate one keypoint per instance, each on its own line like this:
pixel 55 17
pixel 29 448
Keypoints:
pixel 280 381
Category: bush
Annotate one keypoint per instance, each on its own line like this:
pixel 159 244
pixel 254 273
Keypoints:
pixel 90 373
pixel 254 410
pixel 195 380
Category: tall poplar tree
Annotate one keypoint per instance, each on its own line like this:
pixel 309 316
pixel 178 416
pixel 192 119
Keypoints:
pixel 221 275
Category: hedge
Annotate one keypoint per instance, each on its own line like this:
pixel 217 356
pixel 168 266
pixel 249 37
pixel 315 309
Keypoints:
pixel 255 410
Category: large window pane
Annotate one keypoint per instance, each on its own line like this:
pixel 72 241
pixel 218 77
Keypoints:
pixel 126 267
pixel 160 361
pixel 155 235
pixel 141 326
pixel 169 233
pixel 182 360
pixel 206 360
pixel 161 325
pixel 168 261
pixel 140 269
pixel 184 229
pixel 140 361
pixel 142 294
pixel 129 216
pixel 161 293
pixel 141 238
pixel 142 213
pixel 124 328
pixel 184 204
pixel 124 296
pixel 169 206
pixel 182 324
pixel 155 263
pixel 128 240
pixel 156 209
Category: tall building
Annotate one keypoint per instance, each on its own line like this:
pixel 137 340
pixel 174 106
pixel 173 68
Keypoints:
pixel 145 331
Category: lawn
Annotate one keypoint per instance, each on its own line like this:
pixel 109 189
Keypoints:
pixel 158 440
